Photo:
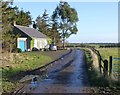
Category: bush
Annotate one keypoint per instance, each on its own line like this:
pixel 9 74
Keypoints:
pixel 17 50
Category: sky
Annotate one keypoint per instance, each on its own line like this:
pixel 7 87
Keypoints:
pixel 98 21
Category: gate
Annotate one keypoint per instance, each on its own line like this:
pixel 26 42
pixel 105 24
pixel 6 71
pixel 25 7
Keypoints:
pixel 115 67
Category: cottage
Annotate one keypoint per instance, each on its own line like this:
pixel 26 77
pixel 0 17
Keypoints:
pixel 29 38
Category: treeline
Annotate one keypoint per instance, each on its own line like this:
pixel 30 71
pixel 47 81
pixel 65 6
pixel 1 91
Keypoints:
pixel 98 45
pixel 75 45
pixel 58 26
pixel 110 45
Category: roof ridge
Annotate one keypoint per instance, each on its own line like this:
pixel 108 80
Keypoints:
pixel 23 26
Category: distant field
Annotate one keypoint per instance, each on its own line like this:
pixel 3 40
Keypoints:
pixel 106 52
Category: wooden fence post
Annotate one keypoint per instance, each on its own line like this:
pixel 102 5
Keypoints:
pixel 100 64
pixel 99 59
pixel 105 68
pixel 110 66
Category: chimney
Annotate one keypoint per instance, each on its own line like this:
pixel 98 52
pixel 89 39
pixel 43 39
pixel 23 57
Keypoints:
pixel 34 25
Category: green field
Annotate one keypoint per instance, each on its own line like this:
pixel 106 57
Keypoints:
pixel 106 52
pixel 114 52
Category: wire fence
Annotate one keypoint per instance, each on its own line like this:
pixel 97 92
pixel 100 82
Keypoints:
pixel 109 68
pixel 116 68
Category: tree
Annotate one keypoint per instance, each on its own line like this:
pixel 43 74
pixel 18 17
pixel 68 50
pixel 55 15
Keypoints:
pixel 55 30
pixel 67 18
pixel 7 18
pixel 48 26
pixel 43 23
pixel 23 18
pixel 55 33
pixel 9 15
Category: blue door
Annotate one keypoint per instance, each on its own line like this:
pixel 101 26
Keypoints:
pixel 22 45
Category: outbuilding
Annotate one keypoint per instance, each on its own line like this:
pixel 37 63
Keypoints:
pixel 29 38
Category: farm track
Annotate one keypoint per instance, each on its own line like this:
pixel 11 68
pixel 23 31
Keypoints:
pixel 67 75
pixel 40 71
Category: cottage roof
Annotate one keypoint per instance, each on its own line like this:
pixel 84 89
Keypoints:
pixel 31 32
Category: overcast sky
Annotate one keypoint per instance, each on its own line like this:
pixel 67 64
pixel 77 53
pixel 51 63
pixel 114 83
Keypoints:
pixel 98 21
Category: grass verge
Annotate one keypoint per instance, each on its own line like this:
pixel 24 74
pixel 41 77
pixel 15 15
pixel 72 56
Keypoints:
pixel 97 80
pixel 22 62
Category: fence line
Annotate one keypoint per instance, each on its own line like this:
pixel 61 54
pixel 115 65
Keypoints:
pixel 115 68
pixel 106 73
pixel 102 68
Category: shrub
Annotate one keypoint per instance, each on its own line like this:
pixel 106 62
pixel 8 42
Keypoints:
pixel 17 50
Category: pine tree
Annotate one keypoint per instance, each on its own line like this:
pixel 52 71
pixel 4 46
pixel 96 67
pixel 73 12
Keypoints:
pixel 43 23
pixel 55 30
pixel 23 18
pixel 7 18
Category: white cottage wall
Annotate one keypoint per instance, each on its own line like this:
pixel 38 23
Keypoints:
pixel 40 43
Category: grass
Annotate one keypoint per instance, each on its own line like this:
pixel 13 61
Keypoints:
pixel 114 52
pixel 97 80
pixel 22 62
pixel 106 52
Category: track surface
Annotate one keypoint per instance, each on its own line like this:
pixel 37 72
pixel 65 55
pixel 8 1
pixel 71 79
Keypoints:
pixel 70 78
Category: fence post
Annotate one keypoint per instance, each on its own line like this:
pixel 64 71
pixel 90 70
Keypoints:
pixel 99 59
pixel 105 68
pixel 110 66
pixel 100 64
